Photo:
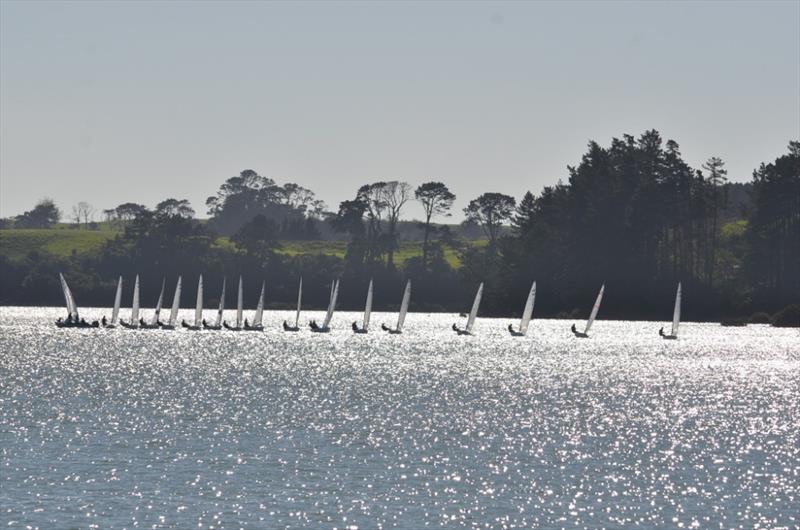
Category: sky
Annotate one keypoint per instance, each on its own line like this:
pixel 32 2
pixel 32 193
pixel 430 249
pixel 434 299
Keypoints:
pixel 111 102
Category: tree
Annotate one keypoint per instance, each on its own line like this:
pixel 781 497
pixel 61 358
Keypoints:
pixel 395 195
pixel 44 215
pixel 490 211
pixel 82 213
pixel 717 177
pixel 525 215
pixel 128 211
pixel 172 207
pixel 258 237
pixel 436 199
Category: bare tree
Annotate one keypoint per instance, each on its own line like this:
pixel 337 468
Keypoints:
pixel 394 195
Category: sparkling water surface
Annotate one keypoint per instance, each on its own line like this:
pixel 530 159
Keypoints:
pixel 180 429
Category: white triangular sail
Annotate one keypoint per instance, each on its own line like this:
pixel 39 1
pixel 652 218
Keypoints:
pixel 401 318
pixel 176 304
pixel 595 309
pixel 332 304
pixel 260 307
pixel 135 306
pixel 368 307
pixel 473 314
pixel 72 307
pixel 299 302
pixel 117 303
pixel 527 313
pixel 157 313
pixel 676 314
pixel 198 308
pixel 239 305
pixel 221 304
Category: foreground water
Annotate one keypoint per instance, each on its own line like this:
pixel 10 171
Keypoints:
pixel 125 429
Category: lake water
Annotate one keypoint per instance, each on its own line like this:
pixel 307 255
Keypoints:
pixel 181 429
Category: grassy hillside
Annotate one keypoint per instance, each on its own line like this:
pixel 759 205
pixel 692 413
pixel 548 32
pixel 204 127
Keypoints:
pixel 15 244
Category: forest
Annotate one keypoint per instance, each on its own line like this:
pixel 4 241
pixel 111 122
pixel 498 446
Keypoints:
pixel 632 215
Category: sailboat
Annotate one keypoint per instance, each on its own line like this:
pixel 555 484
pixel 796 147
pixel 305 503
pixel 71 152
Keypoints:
pixel 115 312
pixel 676 317
pixel 133 323
pixel 296 327
pixel 367 312
pixel 176 305
pixel 595 309
pixel 326 324
pixel 218 322
pixel 526 314
pixel 257 325
pixel 73 319
pixel 472 314
pixel 401 317
pixel 198 310
pixel 154 322
pixel 239 311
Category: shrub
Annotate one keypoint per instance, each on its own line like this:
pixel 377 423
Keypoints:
pixel 788 317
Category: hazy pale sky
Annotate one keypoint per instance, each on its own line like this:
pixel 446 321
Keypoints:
pixel 110 102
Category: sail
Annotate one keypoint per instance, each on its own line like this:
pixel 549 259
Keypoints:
pixel 299 302
pixel 595 309
pixel 676 315
pixel 221 304
pixel 72 307
pixel 117 303
pixel 159 304
pixel 239 305
pixel 135 306
pixel 368 307
pixel 176 304
pixel 474 311
pixel 332 305
pixel 260 308
pixel 198 309
pixel 528 311
pixel 401 318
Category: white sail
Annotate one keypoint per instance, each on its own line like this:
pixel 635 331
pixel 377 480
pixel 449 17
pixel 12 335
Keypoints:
pixel 474 311
pixel 595 309
pixel 176 304
pixel 64 292
pixel 368 307
pixel 239 305
pixel 135 307
pixel 159 304
pixel 221 304
pixel 198 308
pixel 332 304
pixel 676 314
pixel 260 307
pixel 72 307
pixel 117 303
pixel 299 302
pixel 528 311
pixel 401 318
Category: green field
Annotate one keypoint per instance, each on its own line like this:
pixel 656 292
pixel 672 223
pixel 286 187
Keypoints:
pixel 16 243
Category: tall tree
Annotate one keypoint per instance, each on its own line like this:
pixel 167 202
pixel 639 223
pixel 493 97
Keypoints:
pixel 395 195
pixel 715 180
pixel 436 199
pixel 172 207
pixel 44 215
pixel 83 212
pixel 490 211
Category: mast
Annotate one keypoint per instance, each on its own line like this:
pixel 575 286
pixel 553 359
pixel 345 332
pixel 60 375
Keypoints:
pixel 595 309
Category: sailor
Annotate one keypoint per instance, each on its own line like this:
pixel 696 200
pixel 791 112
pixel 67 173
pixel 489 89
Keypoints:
pixel 141 321
pixel 455 328
pixel 511 328
pixel 661 331
pixel 246 323
pixel 103 320
pixel 574 329
pixel 355 327
pixel 313 324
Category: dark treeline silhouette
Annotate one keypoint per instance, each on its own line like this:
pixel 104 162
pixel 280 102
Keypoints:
pixel 633 215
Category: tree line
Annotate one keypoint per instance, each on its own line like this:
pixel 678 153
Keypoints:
pixel 633 215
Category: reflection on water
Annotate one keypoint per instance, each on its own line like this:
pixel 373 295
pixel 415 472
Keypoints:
pixel 122 428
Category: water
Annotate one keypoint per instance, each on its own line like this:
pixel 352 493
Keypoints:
pixel 160 429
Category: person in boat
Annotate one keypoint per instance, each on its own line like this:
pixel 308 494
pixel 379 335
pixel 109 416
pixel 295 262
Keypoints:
pixel 455 328
pixel 59 321
pixel 511 328
pixel 661 331
pixel 83 322
pixel 142 322
pixel 574 329
pixel 205 323
pixel 355 327
pixel 246 323
pixel 313 324
pixel 104 321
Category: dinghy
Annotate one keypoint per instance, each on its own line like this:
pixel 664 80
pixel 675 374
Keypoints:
pixel 154 322
pixel 296 327
pixel 198 310
pixel 257 325
pixel 472 314
pixel 218 323
pixel 133 323
pixel 367 312
pixel 326 325
pixel 114 322
pixel 676 317
pixel 526 314
pixel 595 309
pixel 239 311
pixel 401 318
pixel 176 305
pixel 73 319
